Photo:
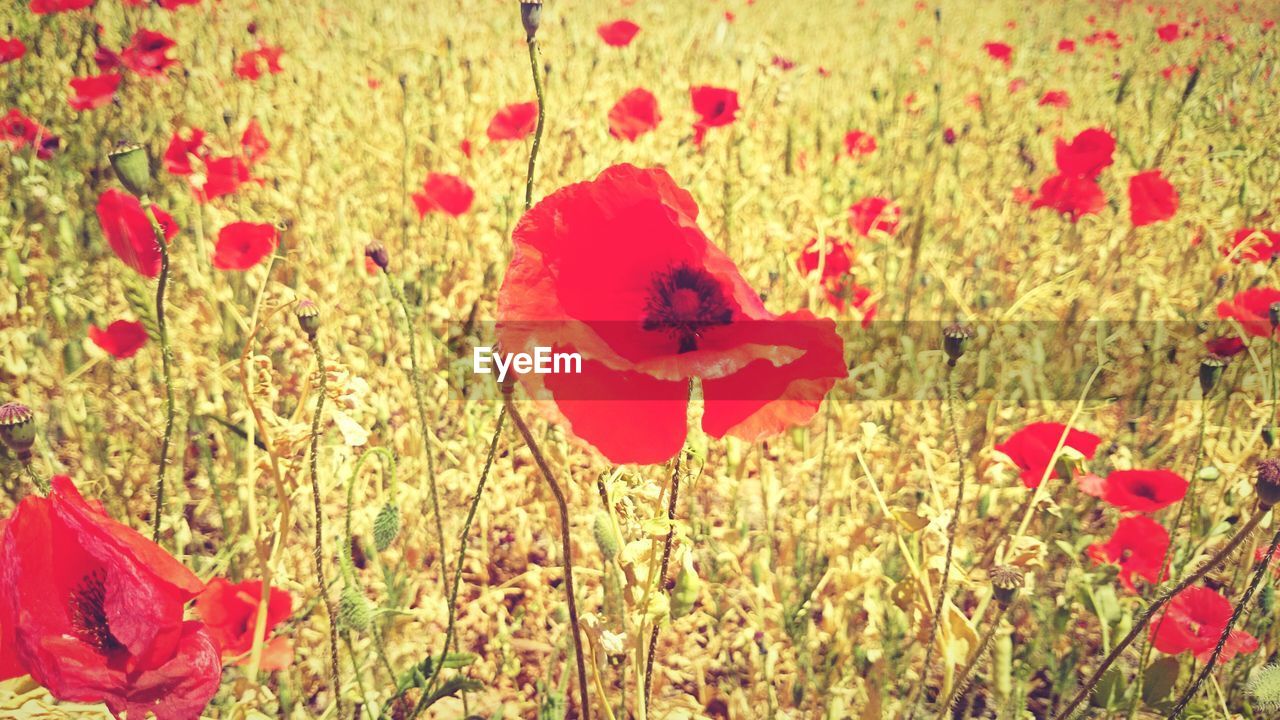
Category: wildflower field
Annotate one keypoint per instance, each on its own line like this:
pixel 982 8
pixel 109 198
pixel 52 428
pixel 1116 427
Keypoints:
pixel 630 359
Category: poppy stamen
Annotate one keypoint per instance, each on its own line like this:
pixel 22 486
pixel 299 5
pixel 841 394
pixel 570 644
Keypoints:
pixel 89 614
pixel 684 302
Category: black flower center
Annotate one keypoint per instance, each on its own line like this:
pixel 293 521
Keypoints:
pixel 1145 492
pixel 89 614
pixel 684 302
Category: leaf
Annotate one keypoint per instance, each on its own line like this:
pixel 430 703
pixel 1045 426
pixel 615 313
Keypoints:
pixel 1159 680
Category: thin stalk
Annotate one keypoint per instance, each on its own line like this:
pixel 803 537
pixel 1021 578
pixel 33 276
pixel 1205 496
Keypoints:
pixel 962 679
pixel 537 132
pixel 335 670
pixel 41 484
pixel 662 572
pixel 166 361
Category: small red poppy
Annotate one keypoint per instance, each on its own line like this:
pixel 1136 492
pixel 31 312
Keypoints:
pixel 634 115
pixel 1087 155
pixel 1259 245
pixel 1169 33
pixel 1070 195
pixel 18 130
pixel 253 142
pixel 122 339
pixel 106 60
pixel 716 107
pixel 252 65
pixel 1031 449
pixel 1000 51
pixel 835 258
pixel 175 4
pixel 784 63
pixel 447 194
pixel 874 214
pixel 148 53
pixel 618 33
pixel 98 610
pixel 11 49
pixel 1193 621
pixel 859 144
pixel 177 156
pixel 1055 98
pixel 1152 199
pixel 93 91
pixel 129 233
pixel 1066 45
pixel 1144 491
pixel 222 176
pixel 514 122
pixel 45 7
pixel 241 245
pixel 1138 546
pixel 1251 309
pixel 230 613
pixel 1227 346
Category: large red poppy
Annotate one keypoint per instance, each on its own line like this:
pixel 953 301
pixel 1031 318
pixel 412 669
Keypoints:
pixel 177 156
pixel 1070 195
pixel 252 65
pixel 617 270
pixel 230 613
pixel 121 339
pixel 1259 245
pixel 443 193
pixel 1193 622
pixel 618 33
pixel 1251 308
pixel 129 233
pixel 514 122
pixel 1138 546
pixel 878 214
pixel 93 91
pixel 634 115
pixel 1087 155
pixel 148 53
pixel 859 144
pixel 1151 198
pixel 11 49
pixel 241 245
pixel 716 107
pixel 1031 449
pixel 1144 491
pixel 1000 51
pixel 45 7
pixel 97 610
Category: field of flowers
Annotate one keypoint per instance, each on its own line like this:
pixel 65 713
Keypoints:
pixel 904 359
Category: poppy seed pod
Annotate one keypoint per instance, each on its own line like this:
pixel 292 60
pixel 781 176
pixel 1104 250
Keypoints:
pixel 1268 484
pixel 954 337
pixel 377 252
pixel 133 167
pixel 18 429
pixel 308 314
pixel 1006 581
pixel 1273 314
pixel 1210 372
pixel 531 16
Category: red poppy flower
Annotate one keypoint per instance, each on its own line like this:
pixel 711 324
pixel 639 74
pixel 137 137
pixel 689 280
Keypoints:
pixel 1169 33
pixel 617 270
pixel 241 245
pixel 1259 245
pixel 1144 491
pixel 1066 45
pixel 443 193
pixel 1193 622
pixel 618 33
pixel 783 63
pixel 634 115
pixel 1071 196
pixel 128 230
pixel 45 7
pixel 1087 155
pixel 1138 546
pixel 93 91
pixel 253 64
pixel 1000 51
pixel 97 610
pixel 1031 449
pixel 877 214
pixel 859 144
pixel 175 4
pixel 838 258
pixel 106 60
pixel 177 157
pixel 230 613
pixel 222 176
pixel 18 130
pixel 514 122
pixel 148 53
pixel 1056 98
pixel 1228 346
pixel 10 665
pixel 253 143
pixel 11 49
pixel 1251 309
pixel 716 107
pixel 1151 198
pixel 122 339
pixel 465 147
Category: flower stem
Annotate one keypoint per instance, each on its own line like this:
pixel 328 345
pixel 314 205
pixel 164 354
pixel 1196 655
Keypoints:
pixel 662 572
pixel 166 361
pixel 41 484
pixel 537 132
pixel 962 679
pixel 335 669
pixel 565 548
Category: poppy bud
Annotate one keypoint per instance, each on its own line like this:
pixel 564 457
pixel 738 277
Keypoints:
pixel 954 338
pixel 386 527
pixel 308 314
pixel 606 538
pixel 1268 484
pixel 1006 581
pixel 353 609
pixel 1210 372
pixel 1273 313
pixel 685 594
pixel 531 16
pixel 949 136
pixel 18 429
pixel 133 167
pixel 377 252
pixel 1269 434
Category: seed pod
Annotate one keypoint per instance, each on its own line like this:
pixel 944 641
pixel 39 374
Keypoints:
pixel 531 16
pixel 1268 483
pixel 353 609
pixel 377 252
pixel 606 538
pixel 954 338
pixel 133 167
pixel 18 429
pixel 1210 372
pixel 386 527
pixel 1006 581
pixel 308 314
pixel 1273 314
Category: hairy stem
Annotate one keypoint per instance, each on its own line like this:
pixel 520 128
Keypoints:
pixel 962 678
pixel 335 670
pixel 166 362
pixel 662 573
pixel 537 132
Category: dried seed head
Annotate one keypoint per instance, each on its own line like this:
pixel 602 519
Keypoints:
pixel 1006 581
pixel 377 252
pixel 531 16
pixel 308 314
pixel 1268 484
pixel 133 167
pixel 1210 372
pixel 18 429
pixel 954 337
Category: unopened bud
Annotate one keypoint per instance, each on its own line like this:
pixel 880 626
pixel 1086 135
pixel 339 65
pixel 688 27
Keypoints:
pixel 353 609
pixel 531 16
pixel 1268 484
pixel 1269 434
pixel 1006 581
pixel 18 429
pixel 308 314
pixel 377 252
pixel 386 527
pixel 1210 372
pixel 133 167
pixel 606 538
pixel 954 339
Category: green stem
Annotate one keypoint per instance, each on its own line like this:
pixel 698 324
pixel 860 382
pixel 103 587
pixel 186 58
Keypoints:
pixel 41 484
pixel 335 669
pixel 344 553
pixel 166 361
pixel 537 132
pixel 962 679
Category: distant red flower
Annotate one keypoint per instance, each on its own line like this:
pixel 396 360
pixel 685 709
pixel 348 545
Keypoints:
pixel 1144 491
pixel 1056 98
pixel 878 214
pixel 1000 51
pixel 175 4
pixel 1227 346
pixel 514 122
pixel 1193 622
pixel 783 63
pixel 1267 24
pixel 1087 155
pixel 838 259
pixel 122 339
pixel 1151 198
pixel 1138 546
pixel 1169 33
pixel 18 129
pixel 634 115
pixel 1169 72
pixel 93 91
pixel 45 7
pixel 128 231
pixel 466 148
pixel 266 59
pixel 1016 85
pixel 148 53
pixel 97 610
pixel 11 49
pixel 253 143
pixel 1071 196
pixel 617 270
pixel 106 60
pixel 716 107
pixel 222 176
pixel 618 33
pixel 443 193
pixel 177 156
pixel 1104 37
pixel 1066 45
pixel 230 612
pixel 859 144
pixel 1250 308
pixel 1031 449
pixel 1259 245
pixel 241 245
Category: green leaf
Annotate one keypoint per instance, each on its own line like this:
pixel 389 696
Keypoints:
pixel 1159 680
